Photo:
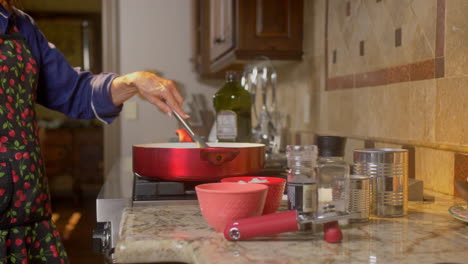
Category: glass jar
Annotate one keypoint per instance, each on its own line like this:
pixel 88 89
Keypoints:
pixel 302 179
pixel 333 176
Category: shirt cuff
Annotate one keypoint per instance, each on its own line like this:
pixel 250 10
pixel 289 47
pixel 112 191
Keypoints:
pixel 101 101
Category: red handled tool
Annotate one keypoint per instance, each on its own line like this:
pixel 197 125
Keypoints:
pixel 289 221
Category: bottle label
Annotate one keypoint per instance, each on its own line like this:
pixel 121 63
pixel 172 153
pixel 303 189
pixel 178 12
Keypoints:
pixel 302 197
pixel 226 125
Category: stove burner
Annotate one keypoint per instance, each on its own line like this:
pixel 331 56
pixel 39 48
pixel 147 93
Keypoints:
pixel 152 189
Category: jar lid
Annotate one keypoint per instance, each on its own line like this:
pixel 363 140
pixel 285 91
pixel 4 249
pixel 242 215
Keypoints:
pixel 301 154
pixel 331 146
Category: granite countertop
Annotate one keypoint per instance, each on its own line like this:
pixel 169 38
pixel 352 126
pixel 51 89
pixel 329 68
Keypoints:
pixel 178 233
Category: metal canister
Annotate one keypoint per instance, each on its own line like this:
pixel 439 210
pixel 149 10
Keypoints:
pixel 359 198
pixel 388 173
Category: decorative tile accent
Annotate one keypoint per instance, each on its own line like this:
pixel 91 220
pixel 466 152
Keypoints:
pixel 374 78
pixel 355 28
pixel 398 37
pixel 398 74
pixel 341 82
pixel 460 169
pixel 361 48
pixel 440 29
pixel 422 70
pixel 439 67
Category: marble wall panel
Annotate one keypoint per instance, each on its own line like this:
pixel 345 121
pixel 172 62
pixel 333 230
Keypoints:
pixel 435 168
pixel 452 111
pixel 456 38
pixel 425 12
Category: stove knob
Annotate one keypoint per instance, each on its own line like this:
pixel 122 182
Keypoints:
pixel 102 237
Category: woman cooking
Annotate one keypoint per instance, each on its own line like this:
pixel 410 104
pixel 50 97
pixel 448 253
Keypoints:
pixel 32 70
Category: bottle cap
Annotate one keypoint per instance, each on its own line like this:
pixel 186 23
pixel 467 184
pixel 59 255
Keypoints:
pixel 231 76
pixel 331 146
pixel 301 155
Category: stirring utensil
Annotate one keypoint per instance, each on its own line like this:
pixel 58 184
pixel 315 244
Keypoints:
pixel 200 142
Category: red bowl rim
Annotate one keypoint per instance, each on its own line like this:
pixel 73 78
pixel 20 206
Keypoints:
pixel 271 180
pixel 208 188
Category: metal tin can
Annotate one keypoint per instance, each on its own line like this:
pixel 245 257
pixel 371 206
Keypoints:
pixel 359 198
pixel 388 173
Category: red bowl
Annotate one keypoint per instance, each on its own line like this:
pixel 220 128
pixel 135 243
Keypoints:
pixel 275 190
pixel 222 203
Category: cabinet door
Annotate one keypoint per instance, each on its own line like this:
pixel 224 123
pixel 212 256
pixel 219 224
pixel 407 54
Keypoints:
pixel 270 27
pixel 221 38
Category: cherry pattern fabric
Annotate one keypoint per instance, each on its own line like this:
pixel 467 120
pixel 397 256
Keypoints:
pixel 27 234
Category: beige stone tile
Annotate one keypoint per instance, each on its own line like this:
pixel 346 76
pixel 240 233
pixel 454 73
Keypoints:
pixel 393 119
pixel 319 27
pixel 420 49
pixel 373 53
pixel 286 88
pixel 362 115
pixel 405 52
pixel 351 145
pixel 324 115
pixel 421 111
pixel 425 13
pixel 452 111
pixel 435 168
pixel 307 137
pixel 387 145
pixel 314 27
pixel 384 31
pixel 340 111
pixel 399 11
pixel 456 38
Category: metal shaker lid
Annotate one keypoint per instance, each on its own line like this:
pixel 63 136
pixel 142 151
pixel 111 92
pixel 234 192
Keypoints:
pixel 380 155
pixel 299 155
pixel 331 146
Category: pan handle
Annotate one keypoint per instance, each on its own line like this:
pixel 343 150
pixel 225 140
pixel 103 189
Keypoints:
pixel 259 226
pixel 218 156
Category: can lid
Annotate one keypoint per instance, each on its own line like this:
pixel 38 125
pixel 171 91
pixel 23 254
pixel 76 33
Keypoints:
pixel 331 146
pixel 358 177
pixel 381 155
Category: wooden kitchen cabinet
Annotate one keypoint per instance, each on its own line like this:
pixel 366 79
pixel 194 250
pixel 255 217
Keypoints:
pixel 231 32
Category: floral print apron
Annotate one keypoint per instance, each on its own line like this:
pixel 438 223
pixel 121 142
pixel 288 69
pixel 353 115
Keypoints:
pixel 27 234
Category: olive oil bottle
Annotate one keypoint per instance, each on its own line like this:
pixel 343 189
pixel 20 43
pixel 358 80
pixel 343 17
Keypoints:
pixel 233 111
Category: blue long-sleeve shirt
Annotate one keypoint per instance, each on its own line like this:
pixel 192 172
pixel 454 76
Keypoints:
pixel 75 93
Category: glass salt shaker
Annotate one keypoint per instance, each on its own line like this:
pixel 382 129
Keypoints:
pixel 302 180
pixel 333 175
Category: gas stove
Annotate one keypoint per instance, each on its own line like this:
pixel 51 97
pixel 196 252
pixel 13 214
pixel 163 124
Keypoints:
pixel 152 189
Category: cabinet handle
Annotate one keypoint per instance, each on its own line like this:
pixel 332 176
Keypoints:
pixel 219 40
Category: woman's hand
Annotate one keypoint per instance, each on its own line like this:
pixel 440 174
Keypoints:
pixel 152 87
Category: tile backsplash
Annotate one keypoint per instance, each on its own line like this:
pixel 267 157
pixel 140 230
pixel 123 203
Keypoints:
pixel 385 73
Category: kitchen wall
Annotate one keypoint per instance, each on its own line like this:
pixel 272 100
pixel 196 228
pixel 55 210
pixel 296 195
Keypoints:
pixel 156 36
pixel 385 73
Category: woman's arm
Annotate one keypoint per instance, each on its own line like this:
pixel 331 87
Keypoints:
pixel 83 95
